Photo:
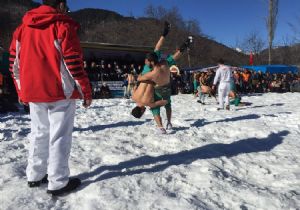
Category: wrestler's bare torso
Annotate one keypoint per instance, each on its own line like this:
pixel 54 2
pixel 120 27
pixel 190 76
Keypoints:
pixel 159 76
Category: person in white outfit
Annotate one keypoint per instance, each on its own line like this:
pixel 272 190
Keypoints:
pixel 224 76
pixel 47 67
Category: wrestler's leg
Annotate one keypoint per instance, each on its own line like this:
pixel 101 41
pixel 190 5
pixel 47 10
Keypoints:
pixel 156 114
pixel 168 108
pixel 169 114
pixel 158 103
pixel 158 121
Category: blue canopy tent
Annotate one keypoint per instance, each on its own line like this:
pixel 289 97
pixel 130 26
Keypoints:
pixel 273 68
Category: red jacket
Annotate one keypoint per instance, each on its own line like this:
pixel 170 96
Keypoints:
pixel 46 58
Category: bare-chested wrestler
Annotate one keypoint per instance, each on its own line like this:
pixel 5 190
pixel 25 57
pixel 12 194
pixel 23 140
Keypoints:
pixel 143 94
pixel 158 72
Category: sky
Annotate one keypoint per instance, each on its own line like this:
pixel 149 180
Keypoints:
pixel 243 159
pixel 226 21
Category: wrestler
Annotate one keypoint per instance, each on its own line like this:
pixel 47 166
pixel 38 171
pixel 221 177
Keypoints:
pixel 161 77
pixel 143 94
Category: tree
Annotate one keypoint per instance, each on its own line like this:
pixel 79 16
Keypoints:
pixel 295 28
pixel 192 26
pixel 271 24
pixel 174 17
pixel 253 43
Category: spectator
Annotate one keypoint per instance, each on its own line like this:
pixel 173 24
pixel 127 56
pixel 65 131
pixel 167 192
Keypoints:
pixel 105 91
pixel 175 79
pixel 52 107
pixel 246 76
pixel 125 85
pixel 139 69
pixel 237 80
pixel 119 72
pixel 195 82
pixel 131 83
pixel 268 78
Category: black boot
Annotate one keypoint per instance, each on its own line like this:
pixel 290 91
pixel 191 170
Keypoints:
pixel 38 183
pixel 72 185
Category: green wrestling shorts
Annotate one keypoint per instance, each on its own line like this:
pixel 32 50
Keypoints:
pixel 232 86
pixel 162 93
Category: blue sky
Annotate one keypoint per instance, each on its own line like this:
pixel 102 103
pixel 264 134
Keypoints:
pixel 226 21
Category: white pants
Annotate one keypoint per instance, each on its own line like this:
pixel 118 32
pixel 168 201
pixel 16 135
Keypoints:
pixel 223 92
pixel 50 142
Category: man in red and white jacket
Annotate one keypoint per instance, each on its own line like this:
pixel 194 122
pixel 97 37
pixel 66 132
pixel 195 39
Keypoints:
pixel 47 67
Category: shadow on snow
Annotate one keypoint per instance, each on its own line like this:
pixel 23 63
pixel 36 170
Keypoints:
pixel 113 125
pixel 202 122
pixel 155 164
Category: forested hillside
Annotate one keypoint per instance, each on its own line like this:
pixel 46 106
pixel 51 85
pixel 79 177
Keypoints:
pixel 110 27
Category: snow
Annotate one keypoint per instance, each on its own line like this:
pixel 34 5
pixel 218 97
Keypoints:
pixel 245 158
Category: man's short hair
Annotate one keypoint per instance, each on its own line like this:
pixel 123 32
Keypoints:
pixel 221 61
pixel 137 112
pixel 152 57
pixel 53 3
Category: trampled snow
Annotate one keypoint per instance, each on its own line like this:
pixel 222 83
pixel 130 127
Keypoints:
pixel 245 158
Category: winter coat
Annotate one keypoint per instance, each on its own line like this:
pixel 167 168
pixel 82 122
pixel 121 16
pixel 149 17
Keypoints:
pixel 46 58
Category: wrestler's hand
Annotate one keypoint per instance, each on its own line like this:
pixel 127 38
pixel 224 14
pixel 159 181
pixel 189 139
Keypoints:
pixel 87 103
pixel 167 28
pixel 23 103
pixel 186 44
pixel 140 78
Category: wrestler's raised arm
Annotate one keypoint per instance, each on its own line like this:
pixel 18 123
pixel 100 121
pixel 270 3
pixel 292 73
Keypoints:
pixel 186 44
pixel 165 32
pixel 147 77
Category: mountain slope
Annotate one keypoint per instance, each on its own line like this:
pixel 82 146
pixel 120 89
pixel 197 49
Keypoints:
pixel 110 27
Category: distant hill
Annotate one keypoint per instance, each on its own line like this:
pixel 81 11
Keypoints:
pixel 105 26
pixel 288 55
pixel 11 12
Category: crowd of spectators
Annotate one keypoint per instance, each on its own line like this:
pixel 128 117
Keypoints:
pixel 245 81
pixel 257 82
pixel 105 70
pixel 101 92
pixel 248 81
pixel 111 70
pixel 8 95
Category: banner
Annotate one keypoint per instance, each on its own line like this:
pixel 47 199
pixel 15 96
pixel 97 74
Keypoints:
pixel 251 58
pixel 116 87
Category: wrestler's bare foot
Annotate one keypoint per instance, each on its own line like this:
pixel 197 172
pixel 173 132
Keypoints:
pixel 161 130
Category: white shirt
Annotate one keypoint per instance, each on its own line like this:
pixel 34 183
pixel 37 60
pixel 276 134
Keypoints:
pixel 223 74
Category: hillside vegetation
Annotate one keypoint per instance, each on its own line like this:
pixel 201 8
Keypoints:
pixel 104 26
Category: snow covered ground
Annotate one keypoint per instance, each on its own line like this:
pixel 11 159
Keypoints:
pixel 246 158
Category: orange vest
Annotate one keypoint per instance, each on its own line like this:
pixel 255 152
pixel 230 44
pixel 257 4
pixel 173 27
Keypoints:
pixel 246 77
